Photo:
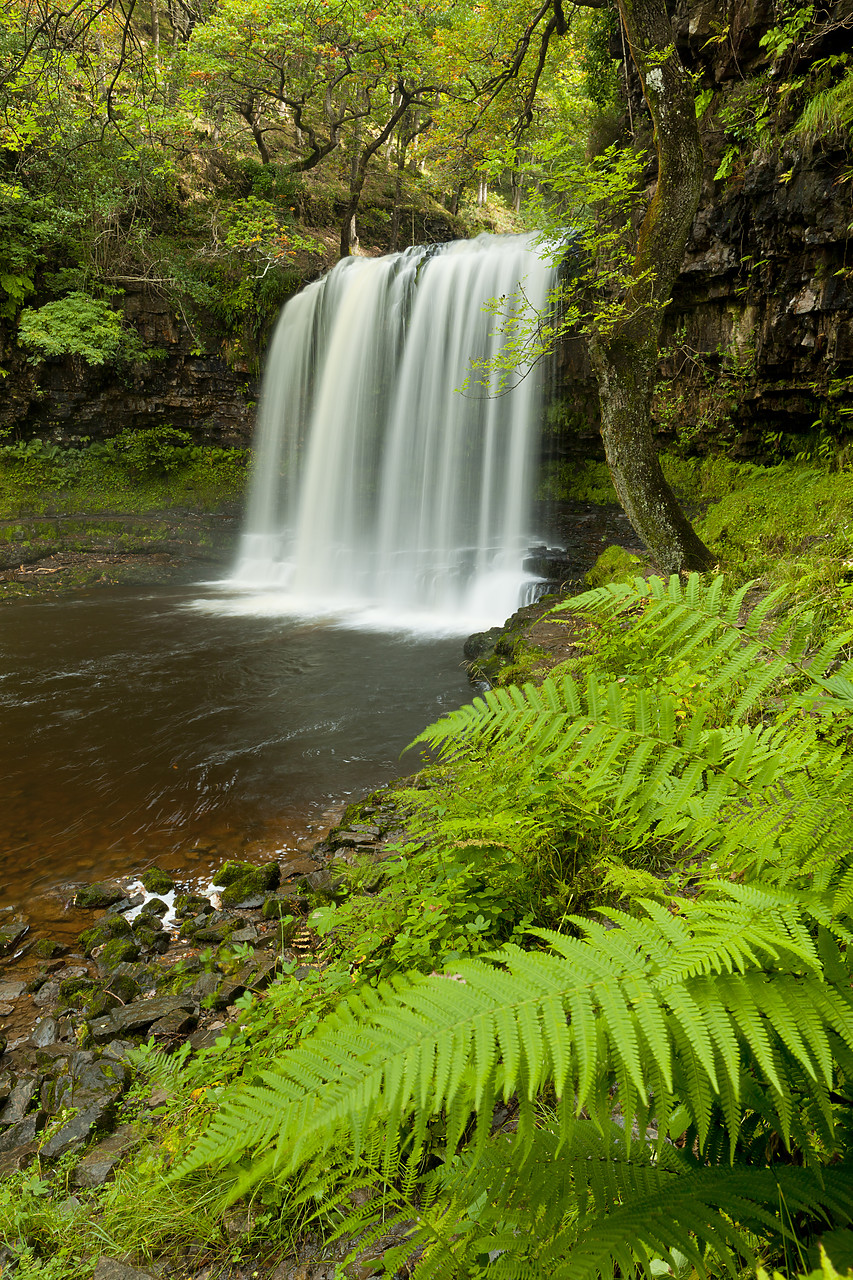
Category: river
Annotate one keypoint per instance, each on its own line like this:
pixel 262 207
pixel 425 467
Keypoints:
pixel 146 724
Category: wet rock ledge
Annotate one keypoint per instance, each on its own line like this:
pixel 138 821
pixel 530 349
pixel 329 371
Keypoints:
pixel 156 961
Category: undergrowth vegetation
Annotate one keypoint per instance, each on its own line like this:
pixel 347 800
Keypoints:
pixel 138 470
pixel 590 1013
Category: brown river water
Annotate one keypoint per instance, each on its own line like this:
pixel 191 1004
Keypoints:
pixel 136 728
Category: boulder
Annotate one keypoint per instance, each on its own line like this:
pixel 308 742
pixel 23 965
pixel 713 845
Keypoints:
pixel 102 894
pixel 242 882
pixel 22 1132
pixel 138 1016
pixel 97 1165
pixel 157 881
pixel 78 1129
pixel 20 1097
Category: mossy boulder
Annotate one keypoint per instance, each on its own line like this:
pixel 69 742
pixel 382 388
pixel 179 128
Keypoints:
pixel 187 904
pixel 107 929
pixel 191 924
pixel 146 920
pixel 156 881
pixel 74 990
pixel 102 894
pixel 48 949
pixel 117 951
pixel 615 564
pixel 101 1002
pixel 242 881
pixel 153 940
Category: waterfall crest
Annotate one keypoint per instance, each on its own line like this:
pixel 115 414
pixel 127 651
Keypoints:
pixel 382 494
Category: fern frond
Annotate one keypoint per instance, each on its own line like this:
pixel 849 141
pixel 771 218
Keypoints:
pixel 613 1015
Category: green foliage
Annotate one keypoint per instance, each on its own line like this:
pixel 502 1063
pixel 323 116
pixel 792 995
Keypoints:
pixel 152 451
pixel 137 471
pixel 615 564
pixel 829 111
pixel 778 40
pixel 792 524
pixel 720 1019
pixel 78 325
pixel 601 81
pixel 578 482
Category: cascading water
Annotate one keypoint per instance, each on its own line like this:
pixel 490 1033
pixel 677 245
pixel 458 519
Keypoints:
pixel 383 494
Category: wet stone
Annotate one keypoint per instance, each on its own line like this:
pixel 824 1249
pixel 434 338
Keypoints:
pixel 249 934
pixel 6 1083
pixel 11 990
pixel 107 928
pixel 102 894
pixel 178 1023
pixel 23 1131
pixel 118 1049
pixel 157 881
pixel 88 1082
pixel 11 934
pixel 79 1128
pixel 20 1097
pixel 264 974
pixel 203 1039
pixel 205 985
pixel 250 903
pixel 112 1269
pixel 211 935
pixel 355 839
pixel 138 1016
pixel 48 949
pixel 278 905
pixel 18 1158
pixel 97 1165
pixel 45 1032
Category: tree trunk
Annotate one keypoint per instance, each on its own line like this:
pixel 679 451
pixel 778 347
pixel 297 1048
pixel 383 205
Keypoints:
pixel 625 359
pixel 359 171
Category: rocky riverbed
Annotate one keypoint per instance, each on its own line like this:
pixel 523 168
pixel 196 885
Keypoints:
pixel 154 961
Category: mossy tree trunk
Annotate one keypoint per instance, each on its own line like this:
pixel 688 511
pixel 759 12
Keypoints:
pixel 625 358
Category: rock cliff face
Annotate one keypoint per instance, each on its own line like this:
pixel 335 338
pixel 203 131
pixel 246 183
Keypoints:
pixel 210 395
pixel 760 330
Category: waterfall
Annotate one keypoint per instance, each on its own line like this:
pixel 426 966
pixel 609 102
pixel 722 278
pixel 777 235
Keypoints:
pixel 382 493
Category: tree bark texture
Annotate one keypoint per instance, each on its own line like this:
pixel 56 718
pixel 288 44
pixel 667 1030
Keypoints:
pixel 625 359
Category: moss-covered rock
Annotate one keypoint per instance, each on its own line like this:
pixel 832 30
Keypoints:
pixel 153 940
pixel 242 881
pixel 105 930
pixel 157 881
pixel 75 990
pixel 102 894
pixel 191 924
pixel 279 908
pixel 118 950
pixel 190 904
pixel 48 949
pixel 146 920
pixel 123 985
pixel 101 1002
pixel 614 565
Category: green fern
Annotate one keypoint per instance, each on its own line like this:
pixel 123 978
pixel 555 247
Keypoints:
pixel 725 1021
pixel 763 794
pixel 732 983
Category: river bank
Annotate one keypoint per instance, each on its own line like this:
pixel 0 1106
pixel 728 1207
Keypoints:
pixel 450 864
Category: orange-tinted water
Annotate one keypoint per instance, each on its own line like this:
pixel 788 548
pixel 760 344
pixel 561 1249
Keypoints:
pixel 136 730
